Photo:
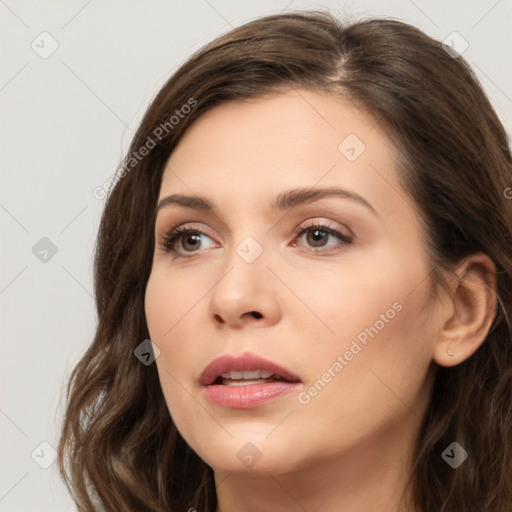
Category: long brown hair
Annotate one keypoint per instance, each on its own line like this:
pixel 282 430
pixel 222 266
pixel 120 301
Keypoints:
pixel 119 448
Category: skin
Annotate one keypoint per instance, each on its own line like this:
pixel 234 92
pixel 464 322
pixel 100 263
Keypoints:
pixel 349 447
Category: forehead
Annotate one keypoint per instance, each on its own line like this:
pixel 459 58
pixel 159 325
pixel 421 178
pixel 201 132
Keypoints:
pixel 298 120
pixel 288 140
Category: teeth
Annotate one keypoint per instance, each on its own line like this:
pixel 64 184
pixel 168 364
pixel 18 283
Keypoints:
pixel 249 375
pixel 241 382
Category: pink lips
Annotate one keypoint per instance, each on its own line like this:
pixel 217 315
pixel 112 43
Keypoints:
pixel 248 395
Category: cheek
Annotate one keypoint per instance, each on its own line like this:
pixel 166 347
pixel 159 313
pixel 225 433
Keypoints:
pixel 170 316
pixel 170 297
pixel 367 291
pixel 381 328
pixel 383 348
pixel 169 311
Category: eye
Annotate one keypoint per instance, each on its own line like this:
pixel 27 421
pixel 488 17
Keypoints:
pixel 318 235
pixel 191 240
pixel 185 239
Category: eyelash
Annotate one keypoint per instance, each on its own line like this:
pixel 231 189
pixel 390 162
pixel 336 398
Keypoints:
pixel 169 239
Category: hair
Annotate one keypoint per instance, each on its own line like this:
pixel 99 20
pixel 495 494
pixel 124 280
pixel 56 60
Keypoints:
pixel 119 448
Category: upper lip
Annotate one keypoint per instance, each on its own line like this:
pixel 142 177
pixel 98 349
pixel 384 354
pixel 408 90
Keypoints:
pixel 244 362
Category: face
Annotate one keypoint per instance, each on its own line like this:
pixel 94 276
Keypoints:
pixel 292 308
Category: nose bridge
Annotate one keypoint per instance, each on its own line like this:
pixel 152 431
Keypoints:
pixel 245 270
pixel 245 290
pixel 246 252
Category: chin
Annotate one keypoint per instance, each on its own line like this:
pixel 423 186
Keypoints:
pixel 249 453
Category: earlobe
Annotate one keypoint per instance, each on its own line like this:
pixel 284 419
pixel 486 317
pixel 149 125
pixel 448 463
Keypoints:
pixel 474 309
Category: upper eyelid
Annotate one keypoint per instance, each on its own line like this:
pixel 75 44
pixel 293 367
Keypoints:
pixel 317 205
pixel 181 230
pixel 164 226
pixel 309 223
pixel 191 225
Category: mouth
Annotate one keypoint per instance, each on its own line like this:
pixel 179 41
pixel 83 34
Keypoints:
pixel 243 370
pixel 247 378
pixel 246 381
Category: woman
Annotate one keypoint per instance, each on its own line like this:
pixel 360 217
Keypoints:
pixel 312 228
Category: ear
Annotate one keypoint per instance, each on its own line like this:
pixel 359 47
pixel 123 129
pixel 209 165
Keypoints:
pixel 471 312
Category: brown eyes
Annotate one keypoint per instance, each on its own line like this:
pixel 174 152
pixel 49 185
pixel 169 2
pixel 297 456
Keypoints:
pixel 190 240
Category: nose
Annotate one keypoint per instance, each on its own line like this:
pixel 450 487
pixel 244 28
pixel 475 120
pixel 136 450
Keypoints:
pixel 246 295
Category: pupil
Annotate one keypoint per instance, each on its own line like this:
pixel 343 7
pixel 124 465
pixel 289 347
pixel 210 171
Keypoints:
pixel 196 241
pixel 318 236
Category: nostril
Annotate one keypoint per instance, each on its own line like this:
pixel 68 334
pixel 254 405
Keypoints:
pixel 255 314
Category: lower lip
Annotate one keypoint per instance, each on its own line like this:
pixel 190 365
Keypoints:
pixel 249 396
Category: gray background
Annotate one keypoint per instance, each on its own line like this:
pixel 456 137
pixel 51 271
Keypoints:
pixel 66 121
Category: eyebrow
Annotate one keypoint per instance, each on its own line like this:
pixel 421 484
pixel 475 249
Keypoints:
pixel 283 201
